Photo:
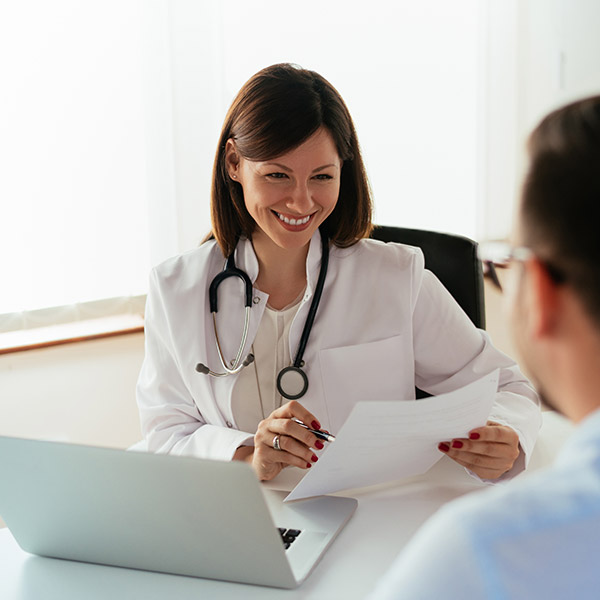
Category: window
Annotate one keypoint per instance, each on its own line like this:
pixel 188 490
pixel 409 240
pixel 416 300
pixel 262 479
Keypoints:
pixel 78 147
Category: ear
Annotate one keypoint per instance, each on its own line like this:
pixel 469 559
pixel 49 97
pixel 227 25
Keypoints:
pixel 543 297
pixel 232 159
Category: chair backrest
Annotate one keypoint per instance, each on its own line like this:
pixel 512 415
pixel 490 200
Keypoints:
pixel 453 260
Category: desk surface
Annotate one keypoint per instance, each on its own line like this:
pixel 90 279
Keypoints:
pixel 386 517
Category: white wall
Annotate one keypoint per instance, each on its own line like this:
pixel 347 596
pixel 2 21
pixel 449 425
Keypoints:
pixel 559 55
pixel 536 56
pixel 558 60
pixel 72 153
pixel 80 393
pixel 453 90
pixel 407 70
pixel 498 119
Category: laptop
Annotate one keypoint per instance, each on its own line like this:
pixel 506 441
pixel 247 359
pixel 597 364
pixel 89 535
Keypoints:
pixel 182 515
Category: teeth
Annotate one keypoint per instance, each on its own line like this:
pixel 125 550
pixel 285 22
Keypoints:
pixel 301 221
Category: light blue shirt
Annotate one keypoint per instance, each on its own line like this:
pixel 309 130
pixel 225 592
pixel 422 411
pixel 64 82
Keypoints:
pixel 538 537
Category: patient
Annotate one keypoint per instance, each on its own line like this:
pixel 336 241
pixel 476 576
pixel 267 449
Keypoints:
pixel 538 537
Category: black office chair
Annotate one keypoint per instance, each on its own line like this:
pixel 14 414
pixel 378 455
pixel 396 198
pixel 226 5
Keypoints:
pixel 454 261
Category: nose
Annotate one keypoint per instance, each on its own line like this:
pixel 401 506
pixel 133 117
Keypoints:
pixel 300 201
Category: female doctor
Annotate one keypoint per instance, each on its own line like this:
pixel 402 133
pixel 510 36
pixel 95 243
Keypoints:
pixel 305 315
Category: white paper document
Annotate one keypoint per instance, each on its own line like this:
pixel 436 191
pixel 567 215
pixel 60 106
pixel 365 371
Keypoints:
pixel 389 440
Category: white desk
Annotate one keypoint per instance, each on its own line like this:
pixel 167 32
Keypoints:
pixel 385 519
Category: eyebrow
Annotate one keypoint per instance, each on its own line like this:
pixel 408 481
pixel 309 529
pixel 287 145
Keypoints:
pixel 284 168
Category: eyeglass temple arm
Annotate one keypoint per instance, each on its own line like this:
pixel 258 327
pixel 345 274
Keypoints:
pixel 490 271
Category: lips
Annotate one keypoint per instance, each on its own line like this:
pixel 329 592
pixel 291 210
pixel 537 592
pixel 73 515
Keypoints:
pixel 298 221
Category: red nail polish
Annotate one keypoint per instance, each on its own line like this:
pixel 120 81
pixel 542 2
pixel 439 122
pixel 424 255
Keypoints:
pixel 314 458
pixel 315 425
pixel 457 444
pixel 308 465
pixel 474 436
pixel 443 447
pixel 319 445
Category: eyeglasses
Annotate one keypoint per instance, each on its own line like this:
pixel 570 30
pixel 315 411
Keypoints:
pixel 501 254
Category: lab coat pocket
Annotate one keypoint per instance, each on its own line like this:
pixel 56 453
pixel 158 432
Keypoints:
pixel 381 370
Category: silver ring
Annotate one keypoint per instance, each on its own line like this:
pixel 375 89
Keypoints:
pixel 276 442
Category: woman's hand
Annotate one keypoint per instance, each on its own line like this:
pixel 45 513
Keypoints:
pixel 489 451
pixel 295 442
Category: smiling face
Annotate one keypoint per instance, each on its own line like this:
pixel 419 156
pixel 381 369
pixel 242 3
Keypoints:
pixel 291 195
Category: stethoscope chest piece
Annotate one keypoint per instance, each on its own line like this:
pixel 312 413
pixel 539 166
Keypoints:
pixel 292 383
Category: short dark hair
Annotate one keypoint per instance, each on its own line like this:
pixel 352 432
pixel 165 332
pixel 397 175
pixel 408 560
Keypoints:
pixel 560 204
pixel 278 109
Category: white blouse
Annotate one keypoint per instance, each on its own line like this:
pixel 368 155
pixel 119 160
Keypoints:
pixel 255 394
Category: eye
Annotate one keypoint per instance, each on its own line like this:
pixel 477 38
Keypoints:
pixel 323 177
pixel 276 175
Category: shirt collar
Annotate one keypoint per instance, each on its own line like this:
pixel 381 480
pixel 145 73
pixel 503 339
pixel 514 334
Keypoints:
pixel 585 440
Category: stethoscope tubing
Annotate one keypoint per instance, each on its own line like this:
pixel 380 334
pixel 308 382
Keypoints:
pixel 230 270
pixel 236 366
pixel 295 369
pixel 310 318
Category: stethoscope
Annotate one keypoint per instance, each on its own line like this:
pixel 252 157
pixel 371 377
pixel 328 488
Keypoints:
pixel 292 381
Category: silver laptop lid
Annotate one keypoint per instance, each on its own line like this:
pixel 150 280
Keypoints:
pixel 154 512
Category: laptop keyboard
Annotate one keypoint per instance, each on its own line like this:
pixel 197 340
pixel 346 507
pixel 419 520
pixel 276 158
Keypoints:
pixel 288 536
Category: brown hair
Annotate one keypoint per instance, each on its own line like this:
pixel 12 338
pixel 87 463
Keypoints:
pixel 275 111
pixel 560 206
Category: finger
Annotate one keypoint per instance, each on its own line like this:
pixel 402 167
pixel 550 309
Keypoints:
pixel 266 468
pixel 291 446
pixel 480 460
pixel 487 467
pixel 293 409
pixel 494 432
pixel 268 455
pixel 482 471
pixel 289 428
pixel 274 429
pixel 485 448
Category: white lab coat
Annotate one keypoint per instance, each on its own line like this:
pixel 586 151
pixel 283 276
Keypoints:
pixel 384 325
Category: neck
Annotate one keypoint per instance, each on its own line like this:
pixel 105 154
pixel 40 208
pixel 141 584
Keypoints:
pixel 576 385
pixel 281 271
pixel 572 377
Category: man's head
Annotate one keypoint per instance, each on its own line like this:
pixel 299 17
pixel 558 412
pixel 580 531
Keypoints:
pixel 556 292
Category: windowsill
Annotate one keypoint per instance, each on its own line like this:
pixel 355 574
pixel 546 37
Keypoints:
pixel 68 333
